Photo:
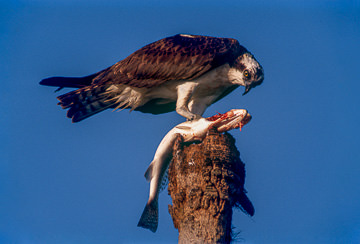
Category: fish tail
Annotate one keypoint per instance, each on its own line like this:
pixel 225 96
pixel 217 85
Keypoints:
pixel 150 216
pixel 244 203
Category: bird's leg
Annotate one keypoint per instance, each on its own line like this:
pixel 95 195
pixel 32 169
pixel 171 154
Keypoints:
pixel 184 93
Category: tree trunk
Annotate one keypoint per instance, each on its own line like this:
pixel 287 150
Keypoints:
pixel 206 181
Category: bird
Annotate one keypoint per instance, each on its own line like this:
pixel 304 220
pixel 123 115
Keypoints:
pixel 183 73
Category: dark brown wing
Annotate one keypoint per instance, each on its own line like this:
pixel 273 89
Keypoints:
pixel 180 57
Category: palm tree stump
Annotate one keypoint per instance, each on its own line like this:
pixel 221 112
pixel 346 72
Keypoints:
pixel 206 181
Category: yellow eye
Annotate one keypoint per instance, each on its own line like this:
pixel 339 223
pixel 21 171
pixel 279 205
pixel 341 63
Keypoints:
pixel 246 73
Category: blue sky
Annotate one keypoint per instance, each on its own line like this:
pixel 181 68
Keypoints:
pixel 83 183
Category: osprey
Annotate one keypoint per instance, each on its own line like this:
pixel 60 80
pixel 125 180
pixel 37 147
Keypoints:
pixel 186 73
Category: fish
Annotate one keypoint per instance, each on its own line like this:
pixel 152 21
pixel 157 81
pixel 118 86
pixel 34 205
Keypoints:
pixel 194 130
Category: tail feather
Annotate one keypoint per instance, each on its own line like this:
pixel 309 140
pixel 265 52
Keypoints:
pixel 150 216
pixel 85 102
pixel 91 97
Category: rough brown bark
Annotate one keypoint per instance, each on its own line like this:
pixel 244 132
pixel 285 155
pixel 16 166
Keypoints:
pixel 205 181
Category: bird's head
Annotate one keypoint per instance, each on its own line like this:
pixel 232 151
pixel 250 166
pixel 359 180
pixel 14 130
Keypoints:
pixel 247 72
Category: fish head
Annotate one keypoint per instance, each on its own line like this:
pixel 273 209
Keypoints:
pixel 235 118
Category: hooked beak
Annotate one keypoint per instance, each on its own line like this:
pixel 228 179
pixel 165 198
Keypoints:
pixel 247 89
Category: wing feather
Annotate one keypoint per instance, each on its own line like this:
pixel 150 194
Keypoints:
pixel 180 57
